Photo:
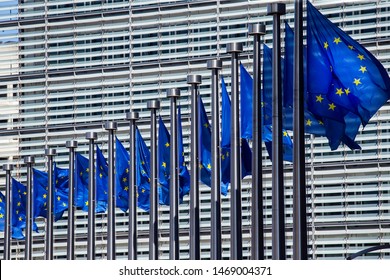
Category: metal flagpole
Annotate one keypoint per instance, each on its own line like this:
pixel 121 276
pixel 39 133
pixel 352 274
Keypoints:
pixel 153 105
pixel 216 227
pixel 235 159
pixel 194 81
pixel 132 117
pixel 278 225
pixel 29 208
pixel 91 137
pixel 7 226
pixel 299 182
pixel 111 127
pixel 257 238
pixel 71 145
pixel 174 245
pixel 50 153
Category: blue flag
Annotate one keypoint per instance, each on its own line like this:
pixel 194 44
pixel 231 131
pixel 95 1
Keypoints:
pixel 40 186
pixel 266 103
pixel 122 167
pixel 184 176
pixel 163 162
pixel 82 179
pixel 18 215
pixel 205 145
pixel 143 172
pixel 246 99
pixel 361 84
pixel 246 154
pixel 101 179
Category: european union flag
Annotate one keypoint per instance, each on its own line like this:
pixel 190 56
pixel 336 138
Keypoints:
pixel 343 70
pixel 205 145
pixel 143 172
pixel 82 173
pixel 184 176
pixel 163 162
pixel 246 154
pixel 40 186
pixel 101 179
pixel 246 88
pixel 286 142
pixel 18 219
pixel 122 167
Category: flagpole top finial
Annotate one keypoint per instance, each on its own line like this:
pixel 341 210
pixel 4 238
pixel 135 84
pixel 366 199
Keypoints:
pixel 214 64
pixel 110 125
pixel 91 135
pixel 235 47
pixel 50 152
pixel 276 8
pixel 29 160
pixel 153 104
pixel 173 92
pixel 194 79
pixel 132 116
pixel 256 29
pixel 71 144
pixel 8 167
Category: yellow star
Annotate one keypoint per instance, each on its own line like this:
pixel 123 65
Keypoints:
pixel 350 47
pixel 142 162
pixel 63 204
pixel 127 170
pixel 360 56
pixel 209 166
pixel 100 175
pixel 86 203
pixel 20 218
pixel 124 180
pixel 357 82
pixel 200 166
pixel 24 193
pixel 126 188
pixel 148 179
pixel 347 91
pixel 319 98
pixel 206 125
pixel 285 133
pixel 81 173
pixel 87 170
pixel 227 154
pixel 19 203
pixel 332 106
pixel 339 91
pixel 1 215
pixel 164 164
pixel 17 212
pixel 320 122
pixel 326 45
pixel 143 190
pixel 143 172
pixel 363 69
pixel 223 157
pixel 58 198
pixel 308 122
pixel 167 144
pixel 337 40
pixel 101 167
pixel 1 200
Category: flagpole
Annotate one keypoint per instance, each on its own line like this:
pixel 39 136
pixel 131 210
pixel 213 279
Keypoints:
pixel 29 208
pixel 111 127
pixel 235 159
pixel 299 180
pixel 174 242
pixel 278 224
pixel 194 81
pixel 153 105
pixel 91 137
pixel 257 239
pixel 132 117
pixel 71 145
pixel 50 153
pixel 7 226
pixel 216 228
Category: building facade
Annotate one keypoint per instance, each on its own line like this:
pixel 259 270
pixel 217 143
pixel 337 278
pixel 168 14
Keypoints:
pixel 68 66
